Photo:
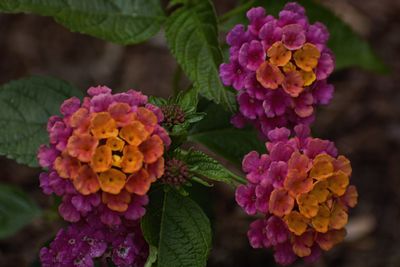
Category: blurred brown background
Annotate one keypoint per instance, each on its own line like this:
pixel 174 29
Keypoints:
pixel 363 120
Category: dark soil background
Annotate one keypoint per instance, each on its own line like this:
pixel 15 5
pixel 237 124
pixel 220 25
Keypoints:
pixel 363 119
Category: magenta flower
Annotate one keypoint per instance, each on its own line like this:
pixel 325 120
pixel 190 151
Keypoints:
pixel 281 62
pixel 297 190
pixel 251 55
pixel 318 35
pixel 257 234
pixel 246 198
pixel 293 36
pixel 276 174
pixel 249 107
pixel 255 166
pixel 275 103
pixel 277 232
pixel 233 74
pixel 325 65
pixel 82 242
pixel 284 254
pixel 323 92
pixel 270 33
pixel 257 19
pixel 237 36
pixel 263 194
pixel 293 13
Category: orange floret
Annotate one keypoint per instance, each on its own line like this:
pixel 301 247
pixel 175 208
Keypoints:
pixel 322 167
pixel 308 77
pixel 289 67
pixel 350 197
pixel 342 164
pixel 80 121
pixel 321 221
pixel 296 222
pixel 156 169
pixel 103 125
pixel 328 240
pixel 293 83
pixel 299 162
pixel 134 133
pixel 297 182
pixel 102 159
pixel 117 202
pixel 116 161
pixel 112 181
pixel 139 182
pixel 148 118
pixel 152 149
pixel 67 166
pixel 320 191
pixel 269 76
pixel 307 57
pixel 339 216
pixel 132 159
pixel 122 113
pixel 278 54
pixel 82 146
pixel 87 181
pixel 280 203
pixel 302 244
pixel 308 205
pixel 115 143
pixel 338 183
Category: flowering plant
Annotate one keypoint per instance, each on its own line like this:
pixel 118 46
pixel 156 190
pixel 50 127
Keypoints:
pixel 121 167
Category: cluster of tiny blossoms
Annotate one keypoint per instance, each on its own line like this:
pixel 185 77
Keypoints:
pixel 302 189
pixel 104 154
pixel 81 242
pixel 280 67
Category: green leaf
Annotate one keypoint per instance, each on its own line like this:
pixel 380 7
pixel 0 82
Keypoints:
pixel 192 36
pixel 16 210
pixel 179 228
pixel 203 165
pixel 188 100
pixel 216 133
pixel 25 106
pixel 152 258
pixel 158 101
pixel 119 21
pixel 349 48
pixel 151 222
pixel 176 2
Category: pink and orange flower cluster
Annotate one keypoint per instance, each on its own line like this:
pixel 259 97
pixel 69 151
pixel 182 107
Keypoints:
pixel 103 156
pixel 280 68
pixel 110 146
pixel 302 188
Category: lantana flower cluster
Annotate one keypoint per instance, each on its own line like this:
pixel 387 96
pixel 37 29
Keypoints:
pixel 80 243
pixel 280 67
pixel 301 187
pixel 103 156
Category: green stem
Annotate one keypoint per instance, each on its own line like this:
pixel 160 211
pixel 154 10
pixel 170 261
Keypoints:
pixel 239 179
pixel 238 10
pixel 176 80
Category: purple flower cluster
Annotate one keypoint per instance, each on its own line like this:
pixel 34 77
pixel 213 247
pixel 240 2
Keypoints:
pixel 82 242
pixel 280 67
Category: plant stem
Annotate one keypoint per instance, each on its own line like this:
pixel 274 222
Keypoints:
pixel 238 179
pixel 225 17
pixel 176 80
